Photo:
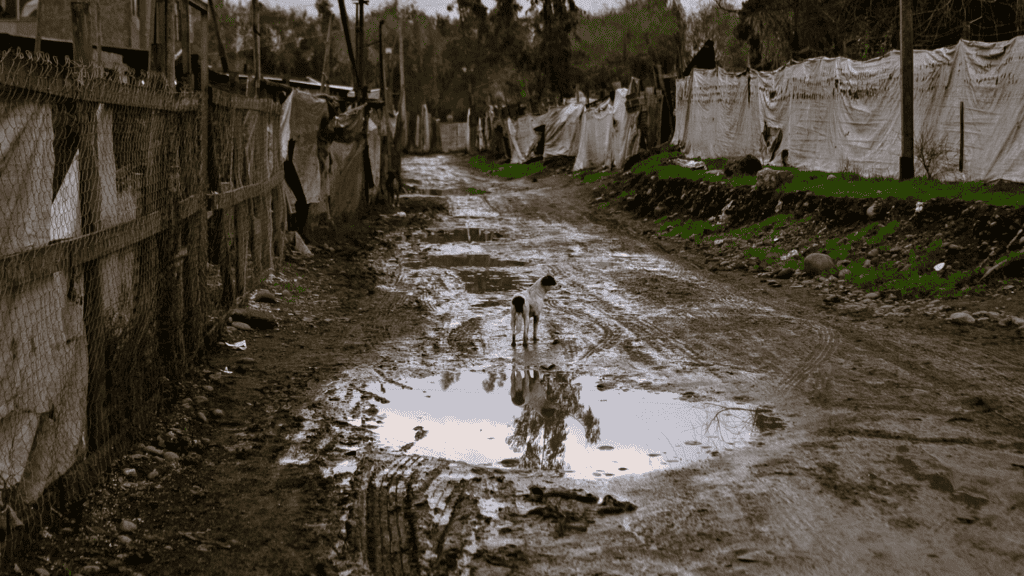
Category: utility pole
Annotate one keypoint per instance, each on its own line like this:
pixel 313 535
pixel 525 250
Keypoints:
pixel 327 56
pixel 383 74
pixel 401 84
pixel 256 46
pixel 361 49
pixel 907 77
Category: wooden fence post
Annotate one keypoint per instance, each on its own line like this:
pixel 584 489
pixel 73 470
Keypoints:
pixel 88 178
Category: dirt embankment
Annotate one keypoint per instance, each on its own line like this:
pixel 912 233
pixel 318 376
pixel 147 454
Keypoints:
pixel 893 245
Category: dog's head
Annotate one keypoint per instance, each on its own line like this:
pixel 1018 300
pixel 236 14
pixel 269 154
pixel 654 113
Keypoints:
pixel 547 282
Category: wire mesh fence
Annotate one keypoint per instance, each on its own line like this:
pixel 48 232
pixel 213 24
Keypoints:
pixel 105 268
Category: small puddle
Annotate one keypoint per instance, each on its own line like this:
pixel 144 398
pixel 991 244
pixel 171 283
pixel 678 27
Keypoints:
pixel 556 421
pixel 463 261
pixel 460 235
pixel 489 281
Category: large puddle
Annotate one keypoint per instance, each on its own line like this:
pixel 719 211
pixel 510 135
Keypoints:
pixel 555 421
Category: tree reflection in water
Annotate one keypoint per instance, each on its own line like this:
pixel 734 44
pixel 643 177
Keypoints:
pixel 539 433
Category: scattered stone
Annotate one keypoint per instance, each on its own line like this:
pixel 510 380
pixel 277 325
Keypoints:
pixel 202 416
pixel 610 505
pixel 171 456
pixel 769 179
pixel 873 253
pixel 716 172
pixel 785 273
pixel 962 318
pixel 152 475
pixel 200 399
pixel 258 319
pixel 153 450
pixel 42 571
pixel 90 569
pixel 831 177
pixel 774 284
pixel 745 165
pixel 241 326
pixel 128 526
pixel 264 295
pixel 755 556
pixel 126 540
pixel 130 472
pixel 844 273
pixel 218 413
pixel 246 360
pixel 816 263
pixel 872 296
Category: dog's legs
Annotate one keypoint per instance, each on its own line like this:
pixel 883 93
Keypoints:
pixel 513 326
pixel 536 319
pixel 526 325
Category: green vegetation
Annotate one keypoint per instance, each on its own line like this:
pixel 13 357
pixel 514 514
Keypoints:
pixel 510 171
pixel 475 191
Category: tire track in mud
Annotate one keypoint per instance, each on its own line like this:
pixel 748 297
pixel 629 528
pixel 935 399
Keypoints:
pixel 415 515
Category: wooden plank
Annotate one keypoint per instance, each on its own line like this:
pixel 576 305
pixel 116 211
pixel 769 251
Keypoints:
pixel 27 267
pixel 230 198
pixel 228 100
pixel 228 243
pixel 91 247
pixel 97 415
pixel 243 223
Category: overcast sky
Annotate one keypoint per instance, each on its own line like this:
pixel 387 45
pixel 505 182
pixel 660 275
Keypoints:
pixel 432 7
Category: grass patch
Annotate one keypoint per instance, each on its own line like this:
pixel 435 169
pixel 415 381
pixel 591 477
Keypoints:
pixel 510 171
pixel 476 191
pixel 848 184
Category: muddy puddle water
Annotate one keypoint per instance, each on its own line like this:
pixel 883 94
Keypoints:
pixel 529 419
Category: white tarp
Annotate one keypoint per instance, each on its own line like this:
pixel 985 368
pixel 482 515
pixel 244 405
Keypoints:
pixel 609 135
pixel 512 130
pixel 43 361
pixel 562 132
pixel 300 121
pixel 837 113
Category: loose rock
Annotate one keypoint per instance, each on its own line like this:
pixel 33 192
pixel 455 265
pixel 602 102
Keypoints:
pixel 128 526
pixel 769 179
pixel 962 318
pixel 816 263
pixel 264 295
pixel 257 319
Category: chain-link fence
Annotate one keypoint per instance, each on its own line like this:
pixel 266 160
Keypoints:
pixel 249 211
pixel 104 268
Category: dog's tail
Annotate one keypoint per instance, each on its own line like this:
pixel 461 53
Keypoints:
pixel 518 302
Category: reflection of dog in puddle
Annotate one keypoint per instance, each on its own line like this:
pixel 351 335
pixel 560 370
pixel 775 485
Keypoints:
pixel 530 304
pixel 530 390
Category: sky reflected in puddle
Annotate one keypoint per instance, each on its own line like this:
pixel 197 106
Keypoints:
pixel 556 421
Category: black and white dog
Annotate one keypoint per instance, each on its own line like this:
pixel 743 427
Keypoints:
pixel 528 305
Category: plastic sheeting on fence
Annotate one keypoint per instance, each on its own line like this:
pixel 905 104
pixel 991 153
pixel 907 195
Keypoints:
pixel 836 113
pixel 44 381
pixel 564 127
pixel 609 134
pixel 300 121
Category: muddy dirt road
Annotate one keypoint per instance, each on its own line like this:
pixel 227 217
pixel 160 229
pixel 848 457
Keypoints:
pixel 753 433
pixel 669 420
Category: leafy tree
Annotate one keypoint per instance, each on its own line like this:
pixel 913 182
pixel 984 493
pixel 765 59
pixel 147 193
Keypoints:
pixel 719 24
